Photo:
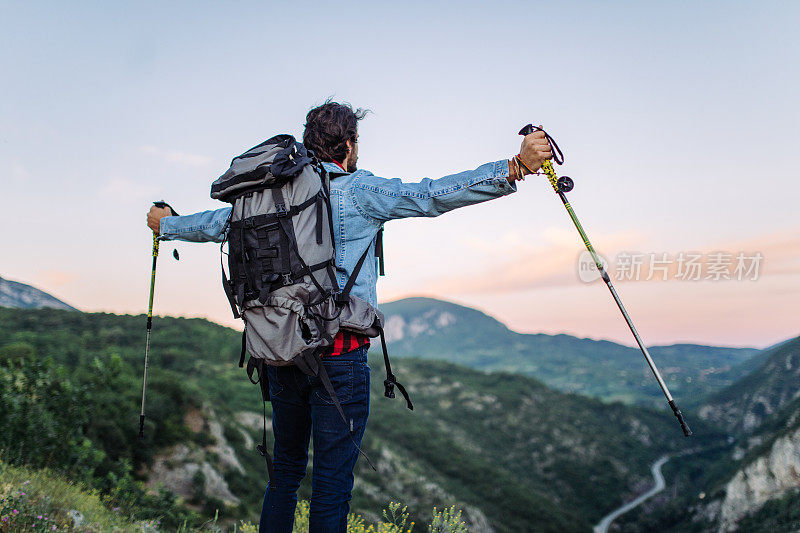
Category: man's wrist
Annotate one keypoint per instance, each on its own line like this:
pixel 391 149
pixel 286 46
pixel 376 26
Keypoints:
pixel 523 168
pixel 514 170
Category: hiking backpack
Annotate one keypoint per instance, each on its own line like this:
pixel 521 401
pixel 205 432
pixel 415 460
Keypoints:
pixel 281 261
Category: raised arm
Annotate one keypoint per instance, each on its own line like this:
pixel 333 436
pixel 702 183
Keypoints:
pixel 206 226
pixel 384 199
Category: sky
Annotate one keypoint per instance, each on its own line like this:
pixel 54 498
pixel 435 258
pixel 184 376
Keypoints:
pixel 679 123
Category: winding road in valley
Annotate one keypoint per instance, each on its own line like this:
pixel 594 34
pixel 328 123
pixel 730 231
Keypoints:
pixel 602 527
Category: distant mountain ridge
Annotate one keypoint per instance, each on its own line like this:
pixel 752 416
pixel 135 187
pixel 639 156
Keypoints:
pixel 436 329
pixel 16 294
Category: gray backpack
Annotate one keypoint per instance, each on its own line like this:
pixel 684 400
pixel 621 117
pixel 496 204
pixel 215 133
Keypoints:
pixel 281 262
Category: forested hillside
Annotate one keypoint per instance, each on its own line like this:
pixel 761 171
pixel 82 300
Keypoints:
pixel 514 454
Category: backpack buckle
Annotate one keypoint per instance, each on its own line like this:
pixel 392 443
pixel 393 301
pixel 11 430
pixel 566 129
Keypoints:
pixel 281 210
pixel 389 388
pixel 287 279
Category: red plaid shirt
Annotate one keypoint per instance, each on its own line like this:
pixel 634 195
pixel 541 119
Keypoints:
pixel 346 341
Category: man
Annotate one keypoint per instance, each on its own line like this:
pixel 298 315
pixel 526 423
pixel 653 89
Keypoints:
pixel 362 203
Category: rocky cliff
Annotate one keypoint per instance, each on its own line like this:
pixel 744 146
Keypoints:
pixel 768 477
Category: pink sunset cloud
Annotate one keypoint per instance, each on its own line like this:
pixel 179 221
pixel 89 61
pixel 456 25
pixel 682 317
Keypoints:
pixel 538 290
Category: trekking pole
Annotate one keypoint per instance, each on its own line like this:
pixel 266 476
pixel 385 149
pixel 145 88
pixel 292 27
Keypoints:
pixel 563 185
pixel 160 204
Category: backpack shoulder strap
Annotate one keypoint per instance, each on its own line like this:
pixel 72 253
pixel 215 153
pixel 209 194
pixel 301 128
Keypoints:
pixel 379 252
pixel 344 296
pixel 227 285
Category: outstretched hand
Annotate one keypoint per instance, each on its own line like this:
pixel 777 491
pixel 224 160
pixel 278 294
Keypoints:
pixel 534 151
pixel 154 217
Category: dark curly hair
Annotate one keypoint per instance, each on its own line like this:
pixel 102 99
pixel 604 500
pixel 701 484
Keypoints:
pixel 329 127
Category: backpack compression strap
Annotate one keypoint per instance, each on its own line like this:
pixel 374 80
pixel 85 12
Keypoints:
pixel 257 366
pixel 326 382
pixel 285 222
pixel 310 363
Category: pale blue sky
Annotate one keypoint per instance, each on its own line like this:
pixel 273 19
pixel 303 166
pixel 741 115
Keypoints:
pixel 679 122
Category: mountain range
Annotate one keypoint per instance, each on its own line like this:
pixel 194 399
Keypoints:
pixel 16 294
pixel 434 329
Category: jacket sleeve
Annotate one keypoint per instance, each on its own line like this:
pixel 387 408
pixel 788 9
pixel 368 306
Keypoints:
pixel 198 227
pixel 381 199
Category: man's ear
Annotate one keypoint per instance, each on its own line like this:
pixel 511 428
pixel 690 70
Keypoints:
pixel 349 145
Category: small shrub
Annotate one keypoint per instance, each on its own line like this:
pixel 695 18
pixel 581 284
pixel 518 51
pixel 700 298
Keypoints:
pixel 396 519
pixel 447 521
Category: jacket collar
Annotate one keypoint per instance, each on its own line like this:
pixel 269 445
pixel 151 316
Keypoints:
pixel 334 170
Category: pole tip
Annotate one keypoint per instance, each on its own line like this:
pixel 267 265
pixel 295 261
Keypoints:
pixel 686 431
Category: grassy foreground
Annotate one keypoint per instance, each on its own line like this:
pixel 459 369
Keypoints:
pixel 40 501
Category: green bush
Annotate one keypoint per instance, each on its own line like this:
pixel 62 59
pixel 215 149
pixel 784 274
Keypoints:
pixel 76 424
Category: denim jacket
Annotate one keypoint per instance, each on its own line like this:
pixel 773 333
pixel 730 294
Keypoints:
pixel 361 203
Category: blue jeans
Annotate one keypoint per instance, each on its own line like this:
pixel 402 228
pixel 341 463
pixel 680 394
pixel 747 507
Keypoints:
pixel 300 406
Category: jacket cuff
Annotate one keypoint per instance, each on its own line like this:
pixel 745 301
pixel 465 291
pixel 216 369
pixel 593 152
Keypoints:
pixel 500 179
pixel 164 233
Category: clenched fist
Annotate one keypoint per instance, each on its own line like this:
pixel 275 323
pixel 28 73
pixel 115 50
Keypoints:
pixel 534 150
pixel 154 217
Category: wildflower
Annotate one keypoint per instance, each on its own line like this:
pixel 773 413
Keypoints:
pixel 15 511
pixel 26 482
pixel 39 517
